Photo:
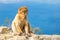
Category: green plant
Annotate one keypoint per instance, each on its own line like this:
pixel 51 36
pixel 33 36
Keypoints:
pixel 37 30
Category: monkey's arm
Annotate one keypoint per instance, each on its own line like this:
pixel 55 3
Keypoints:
pixel 27 27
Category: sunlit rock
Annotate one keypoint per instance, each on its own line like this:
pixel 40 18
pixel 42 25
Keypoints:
pixel 4 29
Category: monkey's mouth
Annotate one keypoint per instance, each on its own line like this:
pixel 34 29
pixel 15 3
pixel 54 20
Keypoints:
pixel 22 18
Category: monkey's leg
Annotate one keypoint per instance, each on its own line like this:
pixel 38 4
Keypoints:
pixel 20 31
pixel 16 29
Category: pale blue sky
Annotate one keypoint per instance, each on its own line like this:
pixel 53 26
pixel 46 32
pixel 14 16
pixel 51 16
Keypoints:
pixel 37 1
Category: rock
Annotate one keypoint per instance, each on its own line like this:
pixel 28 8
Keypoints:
pixel 55 37
pixel 4 29
pixel 6 34
pixel 34 37
pixel 18 38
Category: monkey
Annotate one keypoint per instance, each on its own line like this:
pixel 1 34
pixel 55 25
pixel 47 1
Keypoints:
pixel 20 24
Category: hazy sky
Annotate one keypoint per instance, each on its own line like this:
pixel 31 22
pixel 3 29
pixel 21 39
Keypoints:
pixel 37 1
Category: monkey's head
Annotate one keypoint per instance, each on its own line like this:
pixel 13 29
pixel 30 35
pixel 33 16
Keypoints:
pixel 23 11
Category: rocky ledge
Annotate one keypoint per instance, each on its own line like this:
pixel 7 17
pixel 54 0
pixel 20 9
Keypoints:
pixel 6 34
pixel 34 37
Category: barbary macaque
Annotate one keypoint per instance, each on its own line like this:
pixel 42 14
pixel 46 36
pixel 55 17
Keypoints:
pixel 20 23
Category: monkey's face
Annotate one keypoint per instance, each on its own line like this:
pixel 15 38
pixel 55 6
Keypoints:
pixel 23 11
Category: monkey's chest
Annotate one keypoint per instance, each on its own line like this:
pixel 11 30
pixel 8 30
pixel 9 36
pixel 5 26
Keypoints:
pixel 22 24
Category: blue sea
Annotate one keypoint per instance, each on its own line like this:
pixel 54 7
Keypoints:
pixel 42 15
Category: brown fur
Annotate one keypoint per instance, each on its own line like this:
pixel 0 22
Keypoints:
pixel 20 23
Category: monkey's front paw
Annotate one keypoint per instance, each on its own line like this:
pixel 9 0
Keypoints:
pixel 28 35
pixel 21 34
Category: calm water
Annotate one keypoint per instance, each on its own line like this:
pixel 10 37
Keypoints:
pixel 44 16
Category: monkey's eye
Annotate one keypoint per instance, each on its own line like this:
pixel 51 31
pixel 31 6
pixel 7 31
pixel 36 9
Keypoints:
pixel 25 11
